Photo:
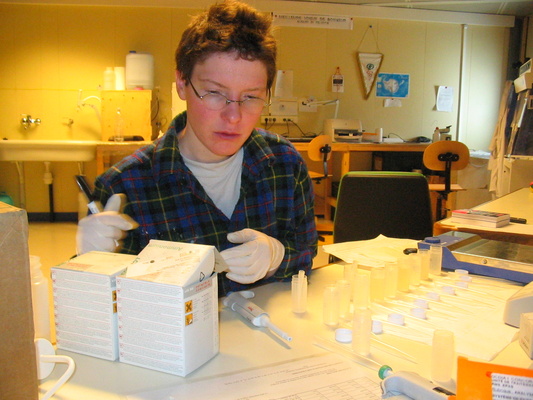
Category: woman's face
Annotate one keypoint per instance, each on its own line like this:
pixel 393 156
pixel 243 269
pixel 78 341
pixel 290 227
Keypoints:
pixel 214 135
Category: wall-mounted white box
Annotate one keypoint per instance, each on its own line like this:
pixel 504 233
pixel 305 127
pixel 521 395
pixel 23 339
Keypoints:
pixel 281 106
pixel 85 303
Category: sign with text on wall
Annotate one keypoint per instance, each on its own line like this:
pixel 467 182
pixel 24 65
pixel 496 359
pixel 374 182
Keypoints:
pixel 313 21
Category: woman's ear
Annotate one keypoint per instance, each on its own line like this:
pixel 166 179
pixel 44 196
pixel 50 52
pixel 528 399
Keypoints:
pixel 180 86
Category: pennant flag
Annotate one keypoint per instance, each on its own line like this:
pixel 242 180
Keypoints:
pixel 370 63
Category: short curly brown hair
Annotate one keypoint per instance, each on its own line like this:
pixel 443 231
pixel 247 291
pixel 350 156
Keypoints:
pixel 230 26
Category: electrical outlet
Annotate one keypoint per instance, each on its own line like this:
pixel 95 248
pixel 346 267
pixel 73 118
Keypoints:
pixel 278 119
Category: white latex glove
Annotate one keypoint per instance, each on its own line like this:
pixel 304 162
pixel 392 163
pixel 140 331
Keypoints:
pixel 258 256
pixel 103 231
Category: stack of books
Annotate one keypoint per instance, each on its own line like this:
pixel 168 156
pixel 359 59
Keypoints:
pixel 482 218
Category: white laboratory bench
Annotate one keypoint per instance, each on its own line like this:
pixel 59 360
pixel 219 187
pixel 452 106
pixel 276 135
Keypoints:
pixel 244 347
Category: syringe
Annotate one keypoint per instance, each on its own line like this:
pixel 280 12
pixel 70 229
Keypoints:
pixel 256 315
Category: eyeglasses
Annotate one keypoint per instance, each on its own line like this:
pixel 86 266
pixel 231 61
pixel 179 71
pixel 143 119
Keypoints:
pixel 216 101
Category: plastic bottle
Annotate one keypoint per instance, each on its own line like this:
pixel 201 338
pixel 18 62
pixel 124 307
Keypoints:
pixel 435 255
pixel 139 71
pixel 119 126
pixel 442 355
pixel 299 292
pixel 331 305
pixel 39 300
pixel 109 79
pixel 436 135
pixel 361 331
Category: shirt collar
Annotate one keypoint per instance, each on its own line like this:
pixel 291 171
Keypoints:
pixel 167 158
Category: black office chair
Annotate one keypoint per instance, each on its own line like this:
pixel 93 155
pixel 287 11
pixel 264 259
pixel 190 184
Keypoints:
pixel 394 204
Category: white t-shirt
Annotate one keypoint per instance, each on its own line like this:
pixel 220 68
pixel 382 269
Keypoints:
pixel 221 180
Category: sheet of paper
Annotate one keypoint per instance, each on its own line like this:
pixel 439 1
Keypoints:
pixel 445 98
pixel 326 377
pixel 381 248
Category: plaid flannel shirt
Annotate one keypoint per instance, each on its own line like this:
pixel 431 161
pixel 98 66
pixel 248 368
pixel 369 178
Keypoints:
pixel 169 203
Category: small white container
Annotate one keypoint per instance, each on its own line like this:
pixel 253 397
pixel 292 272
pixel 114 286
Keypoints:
pixel 442 355
pixel 139 71
pixel 40 301
pixel 109 79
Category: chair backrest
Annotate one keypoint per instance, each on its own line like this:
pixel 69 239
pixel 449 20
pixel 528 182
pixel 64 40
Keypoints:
pixel 394 204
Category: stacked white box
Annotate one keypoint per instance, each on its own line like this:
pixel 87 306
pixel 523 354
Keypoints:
pixel 85 303
pixel 167 306
pixel 166 327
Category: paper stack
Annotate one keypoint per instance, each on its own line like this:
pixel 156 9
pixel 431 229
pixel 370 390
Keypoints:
pixel 481 218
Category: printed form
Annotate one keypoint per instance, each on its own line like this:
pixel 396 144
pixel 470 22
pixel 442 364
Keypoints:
pixel 325 377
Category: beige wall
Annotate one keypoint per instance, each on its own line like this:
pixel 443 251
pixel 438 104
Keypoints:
pixel 48 53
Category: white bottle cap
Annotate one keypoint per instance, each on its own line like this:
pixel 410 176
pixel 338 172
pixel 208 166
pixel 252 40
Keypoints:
pixel 461 272
pixel 377 327
pixel 418 313
pixel 433 296
pixel 343 335
pixel 396 319
pixel 448 290
pixel 421 303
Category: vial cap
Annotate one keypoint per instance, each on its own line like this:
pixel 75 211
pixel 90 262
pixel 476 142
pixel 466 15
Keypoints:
pixel 433 296
pixel 396 319
pixel 421 303
pixel 343 335
pixel 432 240
pixel 377 327
pixel 448 290
pixel 418 313
pixel 462 284
pixel 384 371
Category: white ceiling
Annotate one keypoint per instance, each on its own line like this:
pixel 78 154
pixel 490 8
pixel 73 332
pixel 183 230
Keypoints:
pixel 519 8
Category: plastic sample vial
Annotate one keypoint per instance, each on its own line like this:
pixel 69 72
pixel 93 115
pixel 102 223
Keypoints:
pixel 442 355
pixel 361 290
pixel 345 294
pixel 435 255
pixel 331 305
pixel 424 263
pixel 391 279
pixel 404 275
pixel 299 293
pixel 377 284
pixel 361 331
pixel 416 268
pixel 39 299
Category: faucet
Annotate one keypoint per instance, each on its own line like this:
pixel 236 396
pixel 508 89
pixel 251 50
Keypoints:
pixel 27 120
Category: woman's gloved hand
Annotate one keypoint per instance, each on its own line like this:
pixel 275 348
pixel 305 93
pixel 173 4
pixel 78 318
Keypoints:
pixel 103 231
pixel 257 257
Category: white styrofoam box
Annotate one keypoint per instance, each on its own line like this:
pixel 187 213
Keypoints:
pixel 85 303
pixel 525 335
pixel 167 327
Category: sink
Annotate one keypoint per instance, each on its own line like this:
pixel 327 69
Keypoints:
pixel 47 150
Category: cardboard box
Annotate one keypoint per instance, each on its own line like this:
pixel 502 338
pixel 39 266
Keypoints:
pixel 168 308
pixel 85 303
pixel 18 371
